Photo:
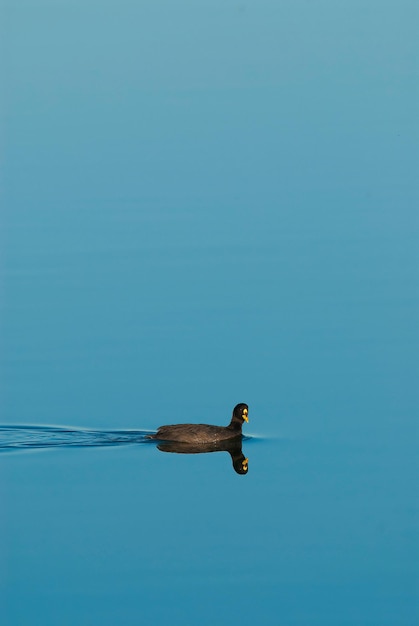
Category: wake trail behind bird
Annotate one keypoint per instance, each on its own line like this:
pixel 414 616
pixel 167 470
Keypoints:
pixel 32 437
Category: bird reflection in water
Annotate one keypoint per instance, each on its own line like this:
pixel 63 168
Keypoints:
pixel 233 447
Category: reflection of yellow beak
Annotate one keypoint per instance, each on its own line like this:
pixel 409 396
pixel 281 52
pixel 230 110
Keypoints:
pixel 245 464
pixel 246 419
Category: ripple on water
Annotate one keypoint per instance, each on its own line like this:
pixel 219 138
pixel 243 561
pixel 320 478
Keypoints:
pixel 31 437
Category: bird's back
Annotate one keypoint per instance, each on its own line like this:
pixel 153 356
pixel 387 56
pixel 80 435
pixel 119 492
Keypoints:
pixel 194 433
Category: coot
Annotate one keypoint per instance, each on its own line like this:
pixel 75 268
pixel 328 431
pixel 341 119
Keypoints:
pixel 205 433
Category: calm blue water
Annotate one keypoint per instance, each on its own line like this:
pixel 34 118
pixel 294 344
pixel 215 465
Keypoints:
pixel 206 203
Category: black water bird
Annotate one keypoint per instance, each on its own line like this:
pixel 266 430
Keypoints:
pixel 205 433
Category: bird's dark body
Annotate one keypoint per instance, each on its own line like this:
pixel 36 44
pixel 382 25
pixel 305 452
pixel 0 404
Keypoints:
pixel 205 433
pixel 196 433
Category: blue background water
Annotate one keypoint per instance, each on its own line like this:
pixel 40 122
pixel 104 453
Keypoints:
pixel 206 203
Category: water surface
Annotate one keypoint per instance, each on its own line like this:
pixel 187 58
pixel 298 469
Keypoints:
pixel 205 204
